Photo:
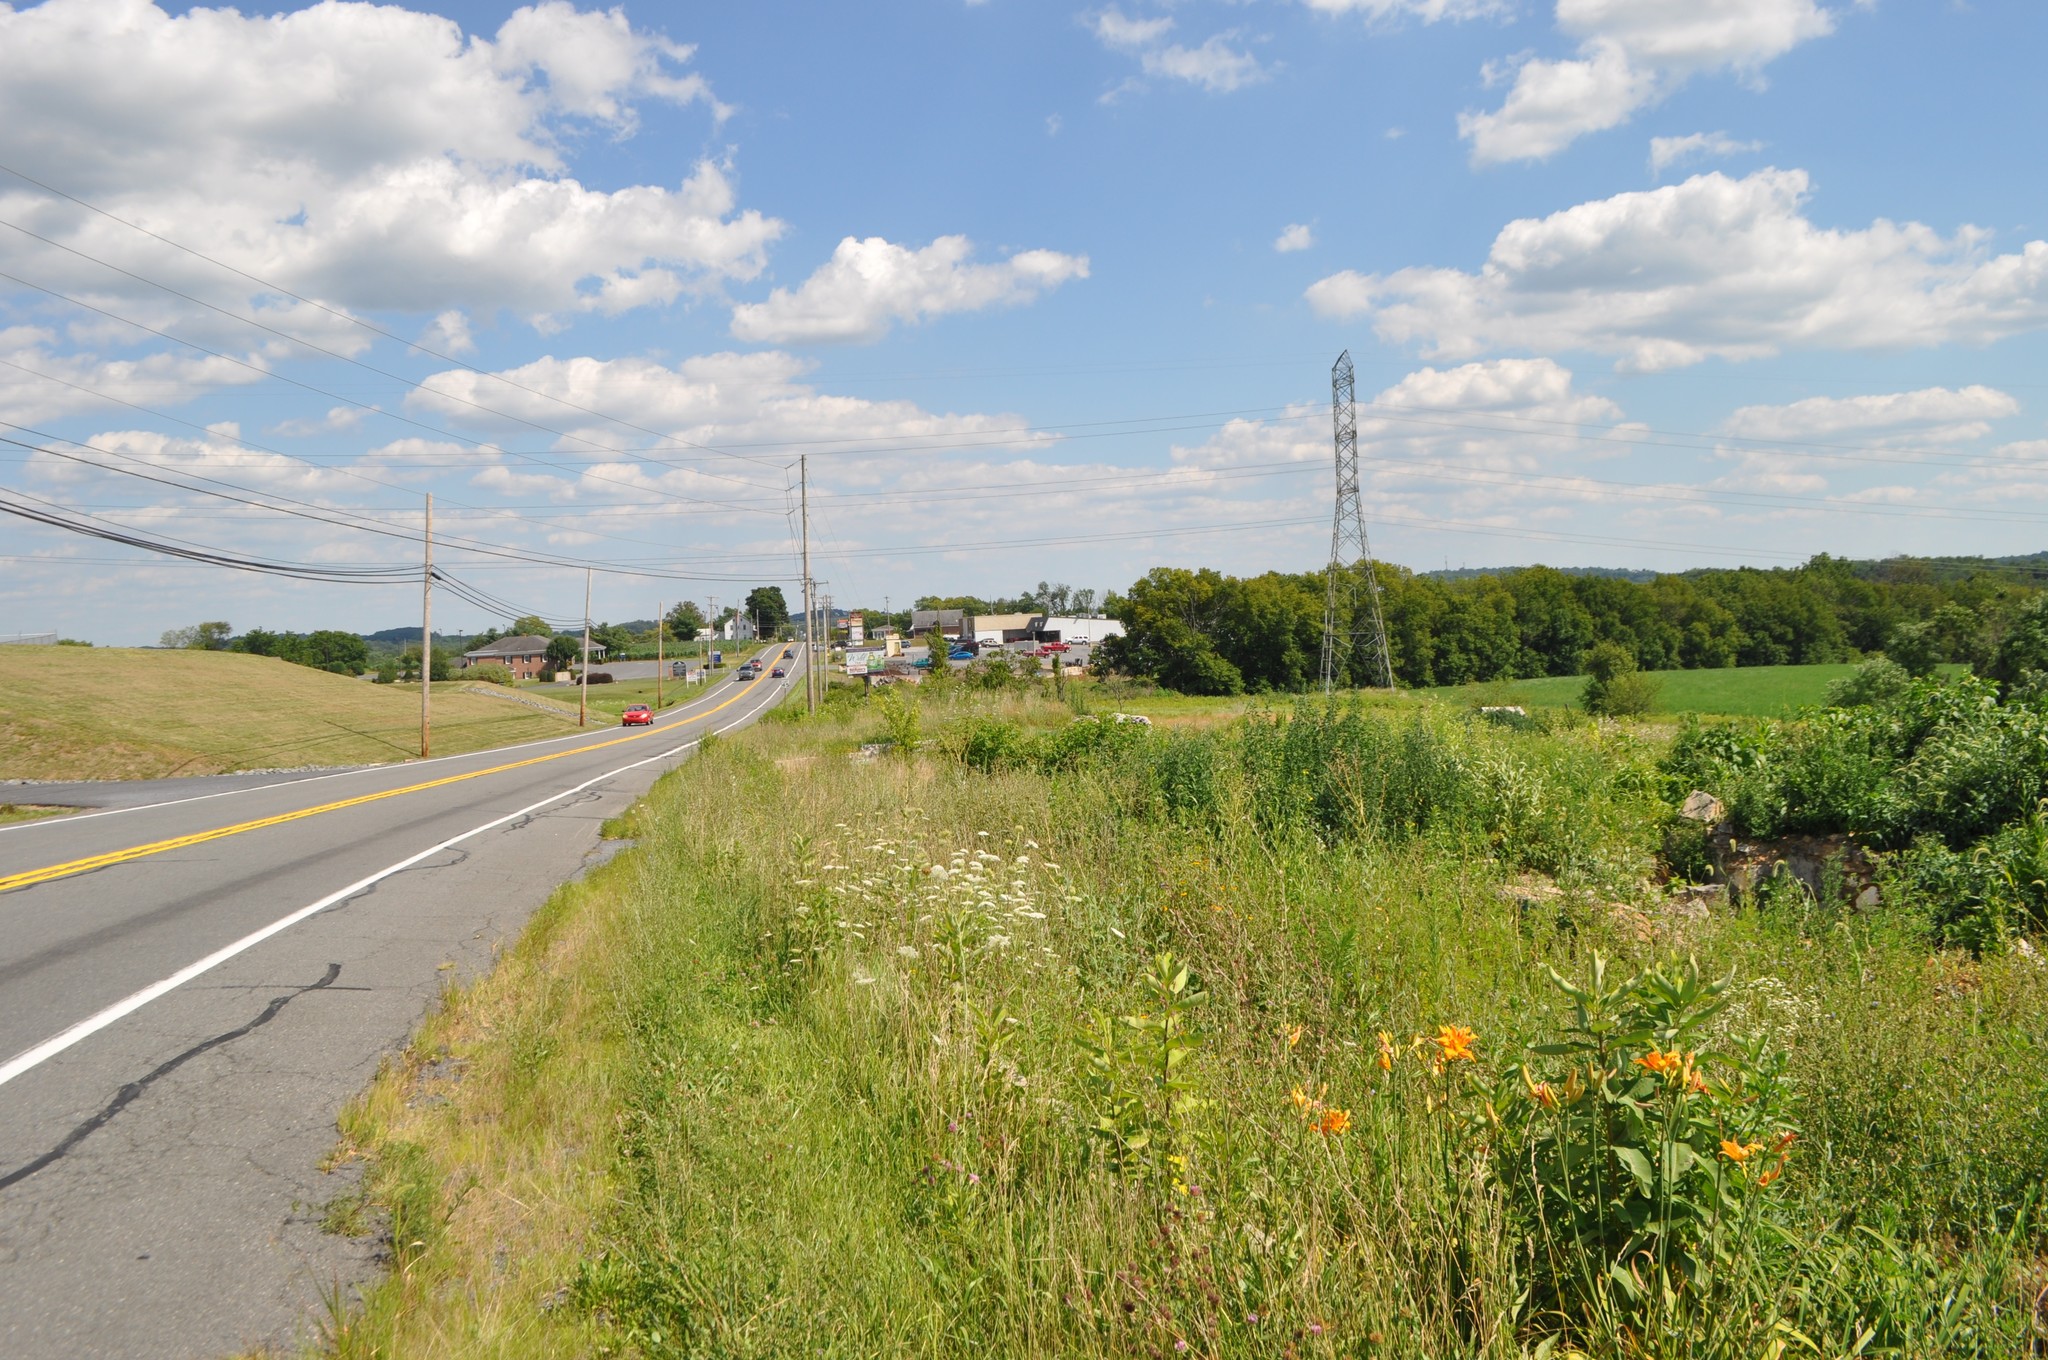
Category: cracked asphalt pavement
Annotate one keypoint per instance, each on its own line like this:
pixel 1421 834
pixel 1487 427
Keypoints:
pixel 160 1190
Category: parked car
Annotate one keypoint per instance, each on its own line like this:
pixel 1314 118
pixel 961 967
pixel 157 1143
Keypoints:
pixel 960 654
pixel 636 715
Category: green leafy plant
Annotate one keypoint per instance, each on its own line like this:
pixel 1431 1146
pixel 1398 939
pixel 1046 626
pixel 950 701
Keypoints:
pixel 1638 1169
pixel 899 722
pixel 1141 1091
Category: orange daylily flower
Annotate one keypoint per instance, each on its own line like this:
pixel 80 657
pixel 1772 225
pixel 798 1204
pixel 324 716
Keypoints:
pixel 1456 1042
pixel 1770 1175
pixel 1386 1058
pixel 1661 1063
pixel 1539 1091
pixel 1293 1036
pixel 1739 1153
pixel 1334 1122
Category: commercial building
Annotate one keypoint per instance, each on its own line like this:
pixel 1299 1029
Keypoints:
pixel 1070 629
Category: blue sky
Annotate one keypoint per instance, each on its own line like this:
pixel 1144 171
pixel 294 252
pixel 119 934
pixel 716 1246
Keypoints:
pixel 1047 292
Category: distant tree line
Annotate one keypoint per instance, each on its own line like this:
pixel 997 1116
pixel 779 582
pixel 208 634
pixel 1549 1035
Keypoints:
pixel 1202 632
pixel 1050 597
pixel 326 649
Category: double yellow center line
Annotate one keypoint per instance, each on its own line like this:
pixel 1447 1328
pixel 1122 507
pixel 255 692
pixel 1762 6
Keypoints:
pixel 30 877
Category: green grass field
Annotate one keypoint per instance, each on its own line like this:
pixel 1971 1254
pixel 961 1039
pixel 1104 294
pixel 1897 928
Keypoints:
pixel 115 713
pixel 1752 691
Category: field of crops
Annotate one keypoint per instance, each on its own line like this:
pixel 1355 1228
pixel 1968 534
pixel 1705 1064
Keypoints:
pixel 1758 691
pixel 1316 1032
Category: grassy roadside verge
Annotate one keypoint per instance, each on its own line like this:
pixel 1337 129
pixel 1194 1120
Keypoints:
pixel 30 812
pixel 876 1057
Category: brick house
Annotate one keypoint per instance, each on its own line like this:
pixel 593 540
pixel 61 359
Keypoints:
pixel 525 657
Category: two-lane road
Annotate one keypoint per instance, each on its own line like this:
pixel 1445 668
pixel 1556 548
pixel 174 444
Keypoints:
pixel 191 987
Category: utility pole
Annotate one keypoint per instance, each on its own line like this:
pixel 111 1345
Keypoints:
pixel 427 636
pixel 583 690
pixel 803 464
pixel 1347 531
pixel 660 635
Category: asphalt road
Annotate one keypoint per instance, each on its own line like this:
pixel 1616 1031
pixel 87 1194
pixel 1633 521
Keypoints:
pixel 192 986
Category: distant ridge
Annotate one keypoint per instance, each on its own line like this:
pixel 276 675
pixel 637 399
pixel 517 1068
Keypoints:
pixel 1639 575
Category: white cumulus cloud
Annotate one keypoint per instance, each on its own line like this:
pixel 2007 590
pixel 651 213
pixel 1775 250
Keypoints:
pixel 1936 414
pixel 1297 236
pixel 869 285
pixel 1632 53
pixel 1216 65
pixel 367 155
pixel 1428 11
pixel 1666 152
pixel 1714 266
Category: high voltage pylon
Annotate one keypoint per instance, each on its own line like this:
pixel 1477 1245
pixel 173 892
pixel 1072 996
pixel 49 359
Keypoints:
pixel 1358 631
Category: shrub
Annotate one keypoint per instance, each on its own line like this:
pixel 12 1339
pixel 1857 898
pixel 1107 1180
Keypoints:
pixel 598 678
pixel 490 673
pixel 1914 648
pixel 1880 680
pixel 899 721
pixel 989 744
pixel 1614 687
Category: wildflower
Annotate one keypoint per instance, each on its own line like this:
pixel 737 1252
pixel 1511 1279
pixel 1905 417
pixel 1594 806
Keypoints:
pixel 1662 1064
pixel 1300 1099
pixel 1785 1140
pixel 1739 1153
pixel 1386 1058
pixel 1771 1175
pixel 1294 1036
pixel 1456 1043
pixel 1334 1122
pixel 1539 1091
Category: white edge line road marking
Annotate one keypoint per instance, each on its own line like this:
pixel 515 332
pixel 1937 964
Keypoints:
pixel 660 719
pixel 93 1024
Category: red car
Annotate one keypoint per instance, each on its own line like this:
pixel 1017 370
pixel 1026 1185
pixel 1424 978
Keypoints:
pixel 637 715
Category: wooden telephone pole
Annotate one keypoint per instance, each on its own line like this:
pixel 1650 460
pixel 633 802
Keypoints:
pixel 427 637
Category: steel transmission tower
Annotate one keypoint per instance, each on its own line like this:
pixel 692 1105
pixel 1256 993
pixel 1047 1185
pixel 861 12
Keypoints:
pixel 1358 629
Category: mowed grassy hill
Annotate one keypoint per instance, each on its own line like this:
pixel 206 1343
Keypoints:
pixel 116 713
